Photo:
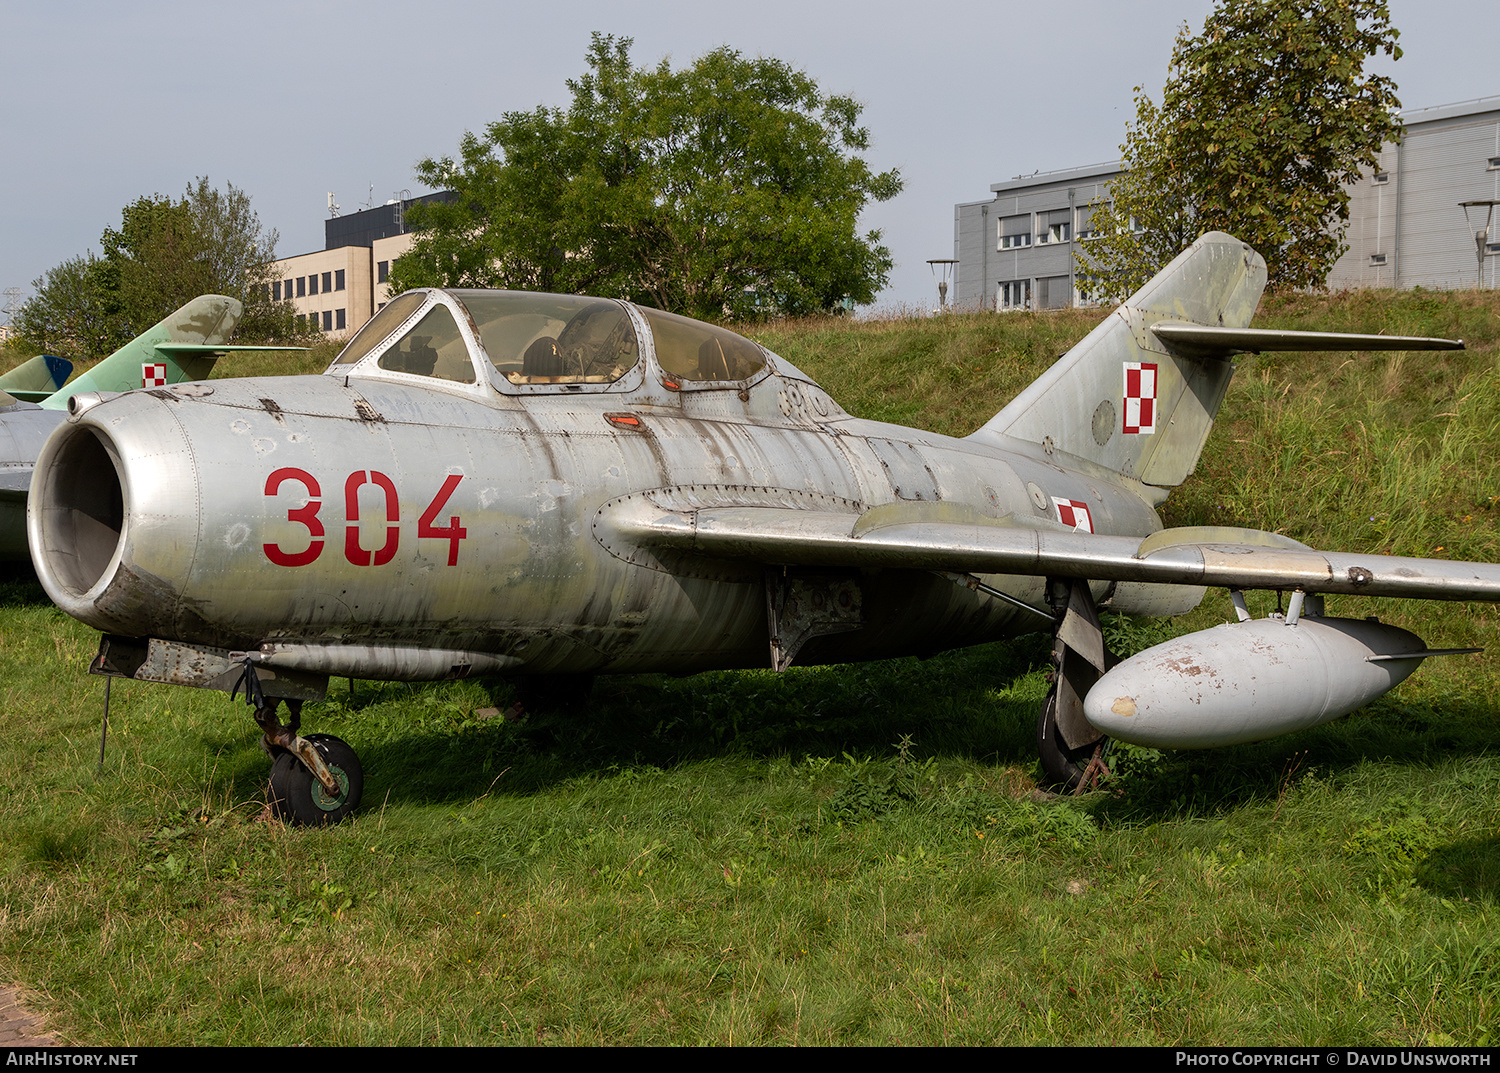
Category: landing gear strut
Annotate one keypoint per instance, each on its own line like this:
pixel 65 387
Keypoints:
pixel 1071 750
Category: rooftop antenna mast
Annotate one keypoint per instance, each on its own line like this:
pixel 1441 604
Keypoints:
pixel 947 264
pixel 1481 234
pixel 333 206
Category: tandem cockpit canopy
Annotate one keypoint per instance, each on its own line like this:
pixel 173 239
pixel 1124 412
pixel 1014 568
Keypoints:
pixel 536 339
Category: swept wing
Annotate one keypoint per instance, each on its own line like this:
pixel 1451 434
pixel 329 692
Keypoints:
pixel 934 537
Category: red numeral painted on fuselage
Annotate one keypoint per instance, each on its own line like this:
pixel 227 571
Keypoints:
pixel 357 555
pixel 453 532
pixel 304 515
pixel 307 516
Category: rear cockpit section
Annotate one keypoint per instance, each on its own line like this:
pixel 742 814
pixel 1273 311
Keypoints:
pixel 690 350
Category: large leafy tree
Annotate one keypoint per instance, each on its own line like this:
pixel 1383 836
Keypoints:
pixel 1267 115
pixel 164 253
pixel 727 188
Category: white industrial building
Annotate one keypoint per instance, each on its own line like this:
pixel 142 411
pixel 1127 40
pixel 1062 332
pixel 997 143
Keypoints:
pixel 1015 249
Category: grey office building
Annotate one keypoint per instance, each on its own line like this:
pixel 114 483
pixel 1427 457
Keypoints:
pixel 1015 250
pixel 1406 227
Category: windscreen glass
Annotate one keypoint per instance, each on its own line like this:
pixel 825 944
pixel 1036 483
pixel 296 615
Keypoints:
pixel 380 325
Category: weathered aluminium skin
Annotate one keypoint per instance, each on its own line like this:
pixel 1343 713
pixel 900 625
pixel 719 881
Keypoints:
pixel 537 484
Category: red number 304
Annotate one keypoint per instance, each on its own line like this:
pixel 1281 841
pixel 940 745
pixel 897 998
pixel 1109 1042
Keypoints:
pixel 307 516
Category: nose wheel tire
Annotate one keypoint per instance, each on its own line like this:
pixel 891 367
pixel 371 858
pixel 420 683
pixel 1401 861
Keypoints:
pixel 301 800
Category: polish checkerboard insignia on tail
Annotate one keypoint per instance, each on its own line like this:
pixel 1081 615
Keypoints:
pixel 1140 397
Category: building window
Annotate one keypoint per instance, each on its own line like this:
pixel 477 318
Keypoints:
pixel 1086 222
pixel 327 282
pixel 312 284
pixel 1382 177
pixel 327 320
pixel 301 286
pixel 382 271
pixel 1054 226
pixel 1493 247
pixel 1377 259
pixel 1494 164
pixel 1015 294
pixel 276 291
pixel 301 318
pixel 1015 231
pixel 1054 292
pixel 338 280
pixel 338 318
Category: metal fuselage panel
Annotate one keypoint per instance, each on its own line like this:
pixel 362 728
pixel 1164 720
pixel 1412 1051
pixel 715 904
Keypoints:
pixel 326 510
pixel 23 429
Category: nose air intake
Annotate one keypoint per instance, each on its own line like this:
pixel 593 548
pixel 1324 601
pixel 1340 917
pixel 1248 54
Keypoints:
pixel 77 511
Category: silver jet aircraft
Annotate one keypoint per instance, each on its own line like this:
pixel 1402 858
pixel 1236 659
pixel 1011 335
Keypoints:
pixel 531 484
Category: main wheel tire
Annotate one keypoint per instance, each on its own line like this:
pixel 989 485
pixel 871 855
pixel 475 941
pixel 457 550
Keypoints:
pixel 1062 767
pixel 300 800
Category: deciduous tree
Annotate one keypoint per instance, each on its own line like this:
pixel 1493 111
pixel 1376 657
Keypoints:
pixel 164 253
pixel 727 188
pixel 1267 115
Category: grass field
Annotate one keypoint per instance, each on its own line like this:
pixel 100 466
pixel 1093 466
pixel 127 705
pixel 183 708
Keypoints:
pixel 851 854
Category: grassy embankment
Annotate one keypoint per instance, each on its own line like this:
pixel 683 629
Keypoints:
pixel 848 854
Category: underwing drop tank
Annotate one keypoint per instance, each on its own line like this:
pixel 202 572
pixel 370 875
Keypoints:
pixel 1249 680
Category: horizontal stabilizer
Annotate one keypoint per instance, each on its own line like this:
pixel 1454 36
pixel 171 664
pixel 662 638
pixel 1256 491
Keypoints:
pixel 1199 341
pixel 219 351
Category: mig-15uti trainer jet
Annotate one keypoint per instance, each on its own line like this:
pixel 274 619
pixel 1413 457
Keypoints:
pixel 489 482
pixel 33 401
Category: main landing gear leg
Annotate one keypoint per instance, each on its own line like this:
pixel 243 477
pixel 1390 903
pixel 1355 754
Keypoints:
pixel 1071 750
pixel 315 780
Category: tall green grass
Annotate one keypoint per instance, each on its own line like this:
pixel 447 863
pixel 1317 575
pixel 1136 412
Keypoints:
pixel 835 855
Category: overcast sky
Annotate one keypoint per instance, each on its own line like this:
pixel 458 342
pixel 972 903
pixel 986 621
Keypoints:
pixel 104 102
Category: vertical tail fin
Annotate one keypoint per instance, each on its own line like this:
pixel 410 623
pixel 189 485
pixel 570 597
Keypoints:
pixel 150 358
pixel 1121 397
pixel 34 380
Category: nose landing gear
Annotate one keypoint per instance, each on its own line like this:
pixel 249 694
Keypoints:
pixel 315 780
